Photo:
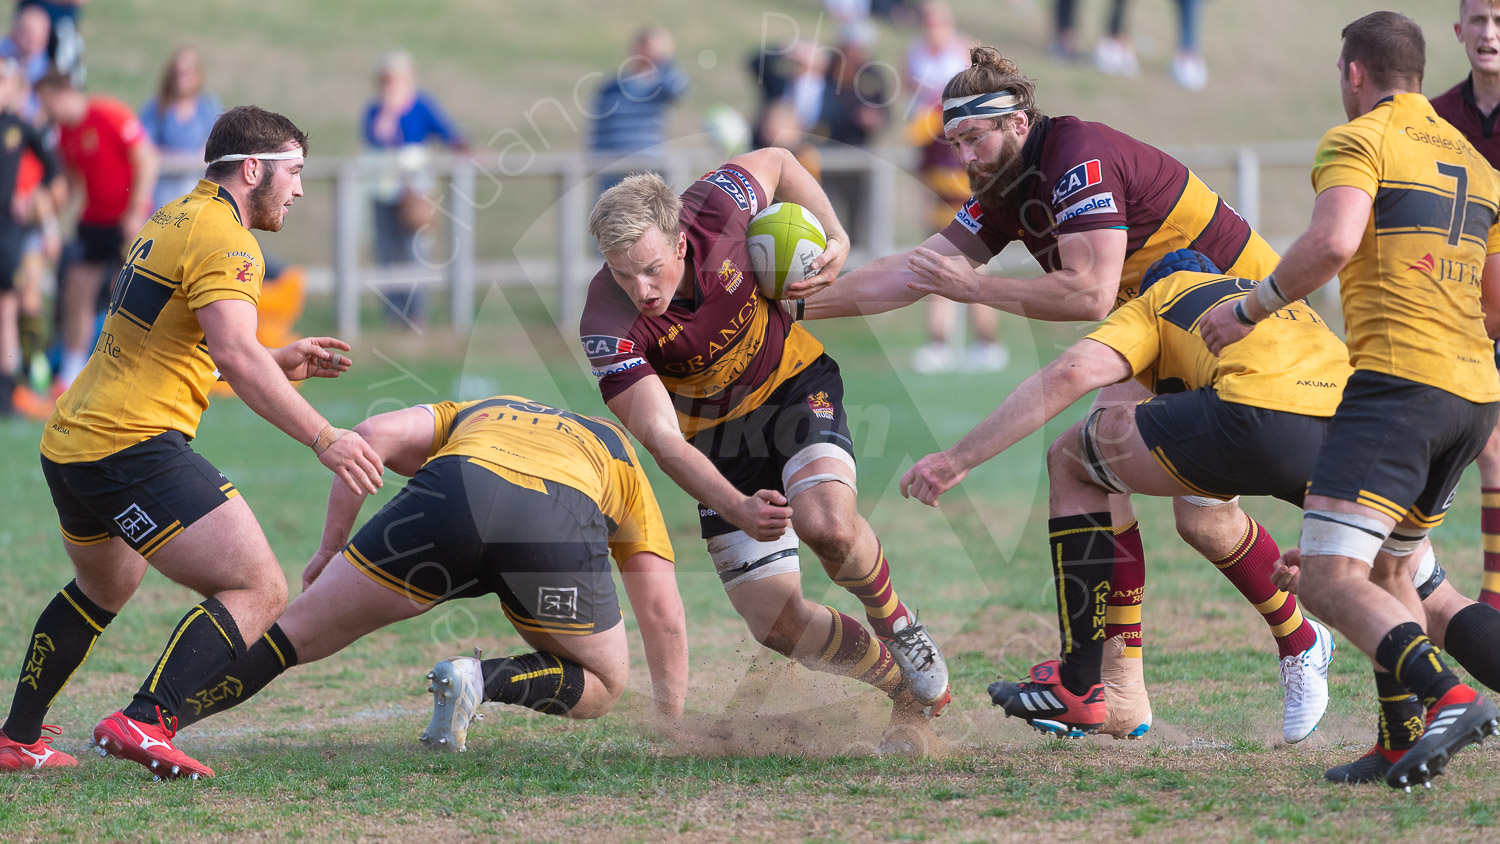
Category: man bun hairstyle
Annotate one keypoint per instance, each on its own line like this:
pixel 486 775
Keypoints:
pixel 990 72
pixel 624 213
pixel 1391 49
pixel 246 130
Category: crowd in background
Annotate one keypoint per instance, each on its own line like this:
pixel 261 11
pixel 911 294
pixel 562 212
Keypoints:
pixel 100 168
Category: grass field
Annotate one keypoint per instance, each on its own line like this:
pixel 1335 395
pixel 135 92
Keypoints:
pixel 771 752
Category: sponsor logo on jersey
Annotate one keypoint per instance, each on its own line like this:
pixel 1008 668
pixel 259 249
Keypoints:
pixel 1426 264
pixel 736 185
pixel 243 276
pixel 615 369
pixel 557 602
pixel 1084 175
pixel 729 276
pixel 605 346
pixel 134 523
pixel 968 216
pixel 819 404
pixel 1099 203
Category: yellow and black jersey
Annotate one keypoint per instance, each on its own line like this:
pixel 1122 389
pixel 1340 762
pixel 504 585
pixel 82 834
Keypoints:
pixel 150 371
pixel 1411 292
pixel 525 442
pixel 1291 362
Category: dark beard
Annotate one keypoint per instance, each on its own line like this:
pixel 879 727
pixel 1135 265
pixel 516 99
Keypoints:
pixel 263 211
pixel 996 186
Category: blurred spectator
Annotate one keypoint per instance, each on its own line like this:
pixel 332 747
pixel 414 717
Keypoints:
pixel 17 136
pixel 397 124
pixel 856 98
pixel 1188 67
pixel 780 128
pixel 27 43
pixel 113 166
pixel 1114 54
pixel 630 110
pixel 773 68
pixel 178 120
pixel 932 58
pixel 64 41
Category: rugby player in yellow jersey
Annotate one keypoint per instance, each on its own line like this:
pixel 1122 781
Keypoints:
pixel 1249 424
pixel 1096 208
pixel 1406 216
pixel 507 496
pixel 130 492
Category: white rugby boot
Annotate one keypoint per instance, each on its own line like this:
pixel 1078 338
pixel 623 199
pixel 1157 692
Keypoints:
pixel 1304 684
pixel 918 657
pixel 457 690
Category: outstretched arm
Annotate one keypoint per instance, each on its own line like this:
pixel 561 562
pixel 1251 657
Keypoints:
pixel 402 438
pixel 1085 367
pixel 884 284
pixel 257 378
pixel 651 586
pixel 645 409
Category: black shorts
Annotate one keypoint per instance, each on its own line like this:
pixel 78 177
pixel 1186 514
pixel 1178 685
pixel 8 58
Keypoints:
pixel 145 494
pixel 1397 445
pixel 101 244
pixel 459 530
pixel 752 450
pixel 1222 449
pixel 12 243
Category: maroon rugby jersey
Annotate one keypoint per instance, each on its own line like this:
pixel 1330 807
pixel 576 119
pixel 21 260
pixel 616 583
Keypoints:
pixel 722 352
pixel 1079 176
pixel 1458 106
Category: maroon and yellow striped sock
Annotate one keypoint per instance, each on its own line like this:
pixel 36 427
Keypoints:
pixel 1489 527
pixel 1127 589
pixel 852 652
pixel 1249 568
pixel 878 594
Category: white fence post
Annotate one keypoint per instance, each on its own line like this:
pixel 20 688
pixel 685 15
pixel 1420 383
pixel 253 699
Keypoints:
pixel 572 217
pixel 1247 185
pixel 461 224
pixel 346 250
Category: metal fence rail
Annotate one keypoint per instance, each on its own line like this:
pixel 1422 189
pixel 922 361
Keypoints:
pixel 568 177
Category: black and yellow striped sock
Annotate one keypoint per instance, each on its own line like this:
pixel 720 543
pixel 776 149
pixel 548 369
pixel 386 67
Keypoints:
pixel 65 632
pixel 1083 556
pixel 238 681
pixel 543 682
pixel 201 645
pixel 1401 721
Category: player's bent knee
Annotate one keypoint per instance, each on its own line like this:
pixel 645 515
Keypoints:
pixel 1080 454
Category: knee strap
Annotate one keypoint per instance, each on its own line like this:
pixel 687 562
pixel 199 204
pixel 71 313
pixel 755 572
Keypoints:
pixel 1429 575
pixel 804 458
pixel 1329 534
pixel 738 559
pixel 1404 540
pixel 1093 461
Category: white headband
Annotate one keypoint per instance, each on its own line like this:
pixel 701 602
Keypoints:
pixel 263 156
pixel 958 109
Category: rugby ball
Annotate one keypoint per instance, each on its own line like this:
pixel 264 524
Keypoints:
pixel 783 241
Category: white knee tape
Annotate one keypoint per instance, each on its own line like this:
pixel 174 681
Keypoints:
pixel 1205 501
pixel 1328 534
pixel 739 559
pixel 802 459
pixel 1403 541
pixel 1429 575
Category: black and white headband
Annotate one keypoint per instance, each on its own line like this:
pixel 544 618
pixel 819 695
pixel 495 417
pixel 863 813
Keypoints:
pixel 284 155
pixel 959 109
